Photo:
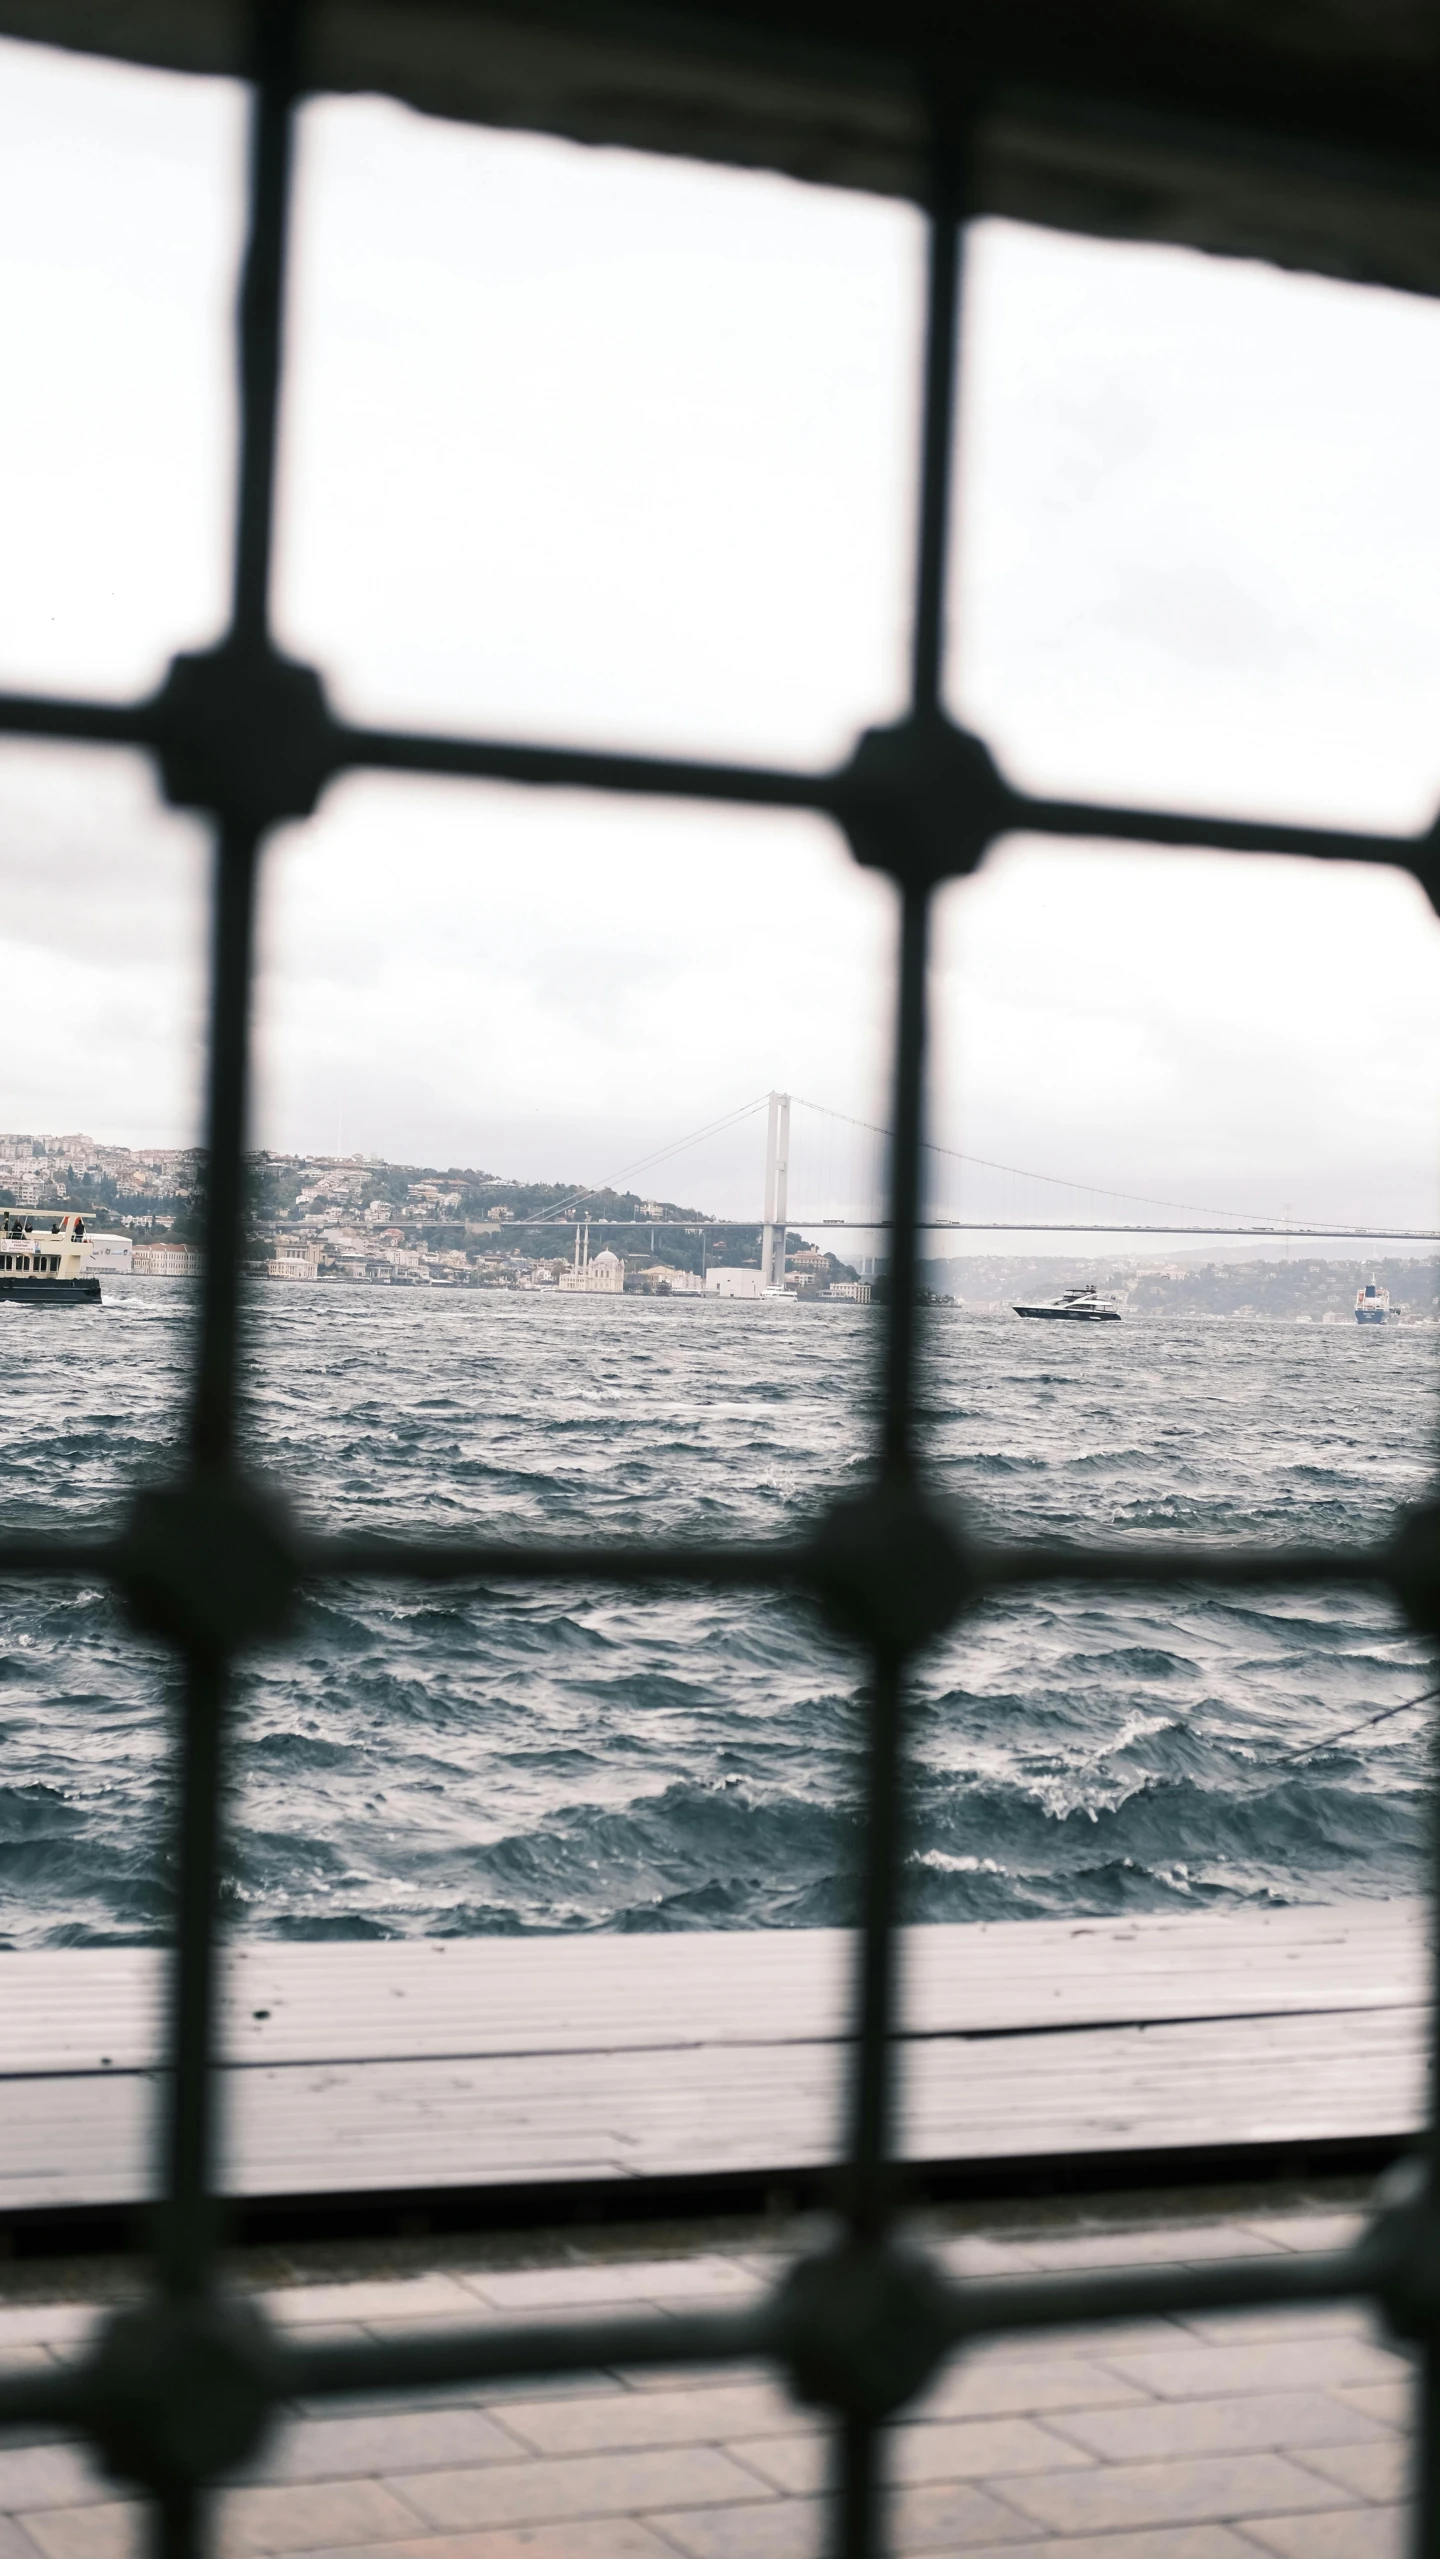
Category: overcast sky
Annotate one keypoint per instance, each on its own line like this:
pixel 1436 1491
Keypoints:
pixel 582 445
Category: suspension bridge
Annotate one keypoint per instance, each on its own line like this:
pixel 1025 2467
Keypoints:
pixel 826 1171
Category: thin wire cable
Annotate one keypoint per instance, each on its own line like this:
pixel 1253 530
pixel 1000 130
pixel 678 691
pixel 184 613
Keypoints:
pixel 1331 1741
pixel 1093 1190
pixel 642 1163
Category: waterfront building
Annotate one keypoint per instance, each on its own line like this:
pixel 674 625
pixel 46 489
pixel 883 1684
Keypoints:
pixel 731 1280
pixel 662 1279
pixel 295 1262
pixel 166 1261
pixel 858 1291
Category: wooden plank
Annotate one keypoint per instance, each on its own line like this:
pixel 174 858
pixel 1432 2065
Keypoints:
pixel 99 2008
pixel 392 2126
pixel 412 2066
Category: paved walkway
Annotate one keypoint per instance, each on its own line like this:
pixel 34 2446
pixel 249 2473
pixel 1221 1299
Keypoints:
pixel 1205 2438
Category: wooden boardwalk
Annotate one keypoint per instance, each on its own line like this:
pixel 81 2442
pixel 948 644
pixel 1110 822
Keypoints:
pixel 406 2068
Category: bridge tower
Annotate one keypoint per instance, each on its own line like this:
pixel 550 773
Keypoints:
pixel 777 1179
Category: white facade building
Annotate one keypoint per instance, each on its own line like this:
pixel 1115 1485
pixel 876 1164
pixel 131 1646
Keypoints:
pixel 110 1252
pixel 166 1261
pixel 729 1279
pixel 299 1263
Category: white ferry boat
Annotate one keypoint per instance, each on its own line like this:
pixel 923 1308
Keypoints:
pixel 45 1264
pixel 1074 1306
pixel 1372 1304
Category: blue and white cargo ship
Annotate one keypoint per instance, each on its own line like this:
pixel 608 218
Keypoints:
pixel 1372 1304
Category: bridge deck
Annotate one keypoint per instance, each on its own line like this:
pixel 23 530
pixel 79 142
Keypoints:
pixel 471 2062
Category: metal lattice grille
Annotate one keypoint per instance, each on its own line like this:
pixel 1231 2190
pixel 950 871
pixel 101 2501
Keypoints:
pixel 180 2390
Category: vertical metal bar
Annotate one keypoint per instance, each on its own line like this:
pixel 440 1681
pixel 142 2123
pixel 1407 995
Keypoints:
pixel 174 2524
pixel 907 1123
pixel 871 2107
pixel 859 2521
pixel 275 38
pixel 937 431
pixel 186 2239
pixel 212 1431
pixel 872 2085
pixel 856 2468
pixel 186 2232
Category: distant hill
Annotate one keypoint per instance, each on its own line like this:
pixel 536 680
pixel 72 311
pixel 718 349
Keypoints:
pixel 1277 1290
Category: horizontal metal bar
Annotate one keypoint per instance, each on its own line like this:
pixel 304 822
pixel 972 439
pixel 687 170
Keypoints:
pixel 997 1568
pixel 740 1565
pixel 1031 2303
pixel 979 1568
pixel 58 1558
pixel 585 769
pixel 86 723
pixel 973 2311
pixel 784 1563
pixel 1218 834
pixel 53 2398
pixel 477 2354
pixel 679 777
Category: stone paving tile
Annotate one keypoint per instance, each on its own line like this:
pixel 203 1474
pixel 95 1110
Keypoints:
pixel 982 2385
pixel 14 2542
pixel 1215 2372
pixel 359 2447
pixel 791 2528
pixel 680 2376
pixel 689 2279
pixel 1158 2245
pixel 51 2474
pixel 989 2447
pixel 255 2520
pixel 955 2516
pixel 17 2359
pixel 592 2484
pixel 975 2255
pixel 940 2519
pixel 46 2323
pixel 1265 2421
pixel 1266 2327
pixel 604 2537
pixel 253 2523
pixel 1380 2471
pixel 705 2415
pixel 1391 2403
pixel 1215 2490
pixel 1356 2532
pixel 1108 2339
pixel 86 2532
pixel 1306 2232
pixel 327 2332
pixel 415 2297
pixel 1171 2541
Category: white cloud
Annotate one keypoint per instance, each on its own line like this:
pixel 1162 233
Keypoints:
pixel 581 445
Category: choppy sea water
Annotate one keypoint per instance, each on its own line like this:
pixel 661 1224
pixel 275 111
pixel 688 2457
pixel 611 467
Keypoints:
pixel 422 1762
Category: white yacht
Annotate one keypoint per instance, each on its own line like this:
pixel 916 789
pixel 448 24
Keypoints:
pixel 1075 1306
pixel 45 1263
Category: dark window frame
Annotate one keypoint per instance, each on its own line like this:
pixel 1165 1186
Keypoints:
pixel 178 2391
